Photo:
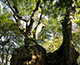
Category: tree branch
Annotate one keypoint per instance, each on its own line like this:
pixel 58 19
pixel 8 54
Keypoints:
pixel 16 12
pixel 10 6
pixel 29 28
pixel 40 25
pixel 17 18
pixel 34 13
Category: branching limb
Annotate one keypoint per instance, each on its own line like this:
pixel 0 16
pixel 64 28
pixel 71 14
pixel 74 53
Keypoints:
pixel 35 11
pixel 17 18
pixel 16 11
pixel 40 25
pixel 29 28
pixel 20 27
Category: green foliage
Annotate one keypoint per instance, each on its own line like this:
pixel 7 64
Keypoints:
pixel 76 40
pixel 53 45
pixel 78 4
pixel 77 16
pixel 50 36
pixel 65 3
pixel 7 24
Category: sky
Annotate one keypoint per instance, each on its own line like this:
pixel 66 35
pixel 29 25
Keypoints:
pixel 1 7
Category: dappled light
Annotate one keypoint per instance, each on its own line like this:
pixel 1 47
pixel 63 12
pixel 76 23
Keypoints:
pixel 39 32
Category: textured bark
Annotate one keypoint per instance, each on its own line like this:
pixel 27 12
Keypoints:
pixel 40 25
pixel 66 54
pixel 29 55
pixel 29 28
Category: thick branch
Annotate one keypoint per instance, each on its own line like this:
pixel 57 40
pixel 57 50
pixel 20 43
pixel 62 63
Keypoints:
pixel 67 23
pixel 34 13
pixel 40 25
pixel 29 28
pixel 36 9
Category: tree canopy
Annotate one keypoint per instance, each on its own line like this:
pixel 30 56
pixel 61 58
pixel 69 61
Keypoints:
pixel 38 22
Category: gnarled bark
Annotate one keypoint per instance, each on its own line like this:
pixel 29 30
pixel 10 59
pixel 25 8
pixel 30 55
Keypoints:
pixel 29 55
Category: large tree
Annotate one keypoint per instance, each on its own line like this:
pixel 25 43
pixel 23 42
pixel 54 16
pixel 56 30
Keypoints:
pixel 33 13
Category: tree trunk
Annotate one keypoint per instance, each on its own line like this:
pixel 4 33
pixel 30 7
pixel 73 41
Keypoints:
pixel 66 54
pixel 29 55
